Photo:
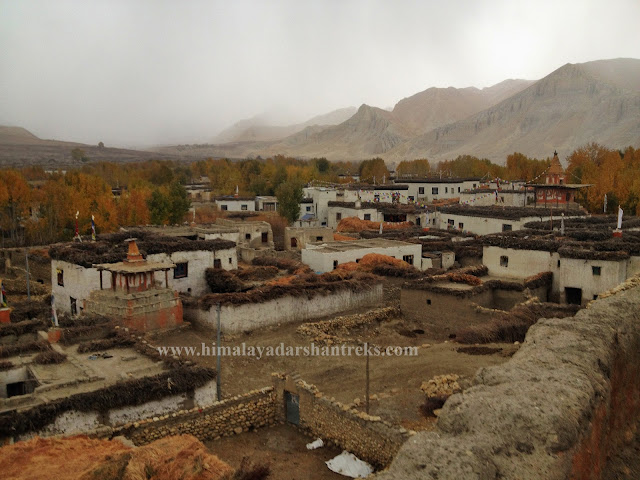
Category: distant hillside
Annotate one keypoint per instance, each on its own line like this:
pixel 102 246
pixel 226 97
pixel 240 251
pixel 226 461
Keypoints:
pixel 576 104
pixel 436 107
pixel 19 148
pixel 259 129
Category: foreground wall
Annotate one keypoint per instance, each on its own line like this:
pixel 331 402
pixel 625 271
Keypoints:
pixel 238 318
pixel 564 403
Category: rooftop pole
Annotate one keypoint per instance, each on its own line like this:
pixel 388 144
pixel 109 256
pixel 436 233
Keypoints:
pixel 218 381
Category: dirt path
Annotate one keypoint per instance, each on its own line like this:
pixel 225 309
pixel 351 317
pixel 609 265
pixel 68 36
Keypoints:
pixel 283 447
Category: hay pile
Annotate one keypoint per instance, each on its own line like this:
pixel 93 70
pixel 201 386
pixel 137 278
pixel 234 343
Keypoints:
pixel 7 351
pixel 382 265
pixel 31 310
pixel 50 357
pixel 512 326
pixel 257 273
pixel 291 266
pixel 342 238
pixel 307 285
pixel 82 458
pixel 20 328
pixel 117 340
pixel 354 224
pixel 222 281
pixel 111 248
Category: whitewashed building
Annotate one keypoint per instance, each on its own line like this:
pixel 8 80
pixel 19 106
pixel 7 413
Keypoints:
pixel 235 204
pixel 325 257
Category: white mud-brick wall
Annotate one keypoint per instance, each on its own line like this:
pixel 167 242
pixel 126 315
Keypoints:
pixel 592 276
pixel 77 282
pixel 197 262
pixel 74 422
pixel 320 260
pixel 288 309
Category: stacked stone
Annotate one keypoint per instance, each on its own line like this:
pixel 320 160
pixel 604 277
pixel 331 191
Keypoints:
pixel 328 332
pixel 231 416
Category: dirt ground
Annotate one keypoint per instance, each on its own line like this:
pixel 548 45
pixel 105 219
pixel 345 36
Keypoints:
pixel 283 447
pixel 394 380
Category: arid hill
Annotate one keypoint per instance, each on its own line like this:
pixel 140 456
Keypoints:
pixel 576 104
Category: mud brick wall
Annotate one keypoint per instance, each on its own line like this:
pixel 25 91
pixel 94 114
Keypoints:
pixel 228 417
pixel 563 406
pixel 366 436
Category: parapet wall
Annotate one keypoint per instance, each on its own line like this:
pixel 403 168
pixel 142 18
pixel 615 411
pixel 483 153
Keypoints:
pixel 565 403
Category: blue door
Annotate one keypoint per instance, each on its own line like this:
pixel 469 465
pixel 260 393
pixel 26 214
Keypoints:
pixel 292 407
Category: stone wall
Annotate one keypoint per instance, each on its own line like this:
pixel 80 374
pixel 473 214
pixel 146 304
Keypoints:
pixel 368 437
pixel 231 416
pixel 567 402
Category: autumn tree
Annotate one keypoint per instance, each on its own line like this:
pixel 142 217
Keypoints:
pixel 179 202
pixel 521 167
pixel 374 171
pixel 413 168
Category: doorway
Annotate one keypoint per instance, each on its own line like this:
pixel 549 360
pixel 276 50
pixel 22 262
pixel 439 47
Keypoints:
pixel 573 296
pixel 292 407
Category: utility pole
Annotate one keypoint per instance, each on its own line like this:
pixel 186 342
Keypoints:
pixel 367 388
pixel 26 257
pixel 218 381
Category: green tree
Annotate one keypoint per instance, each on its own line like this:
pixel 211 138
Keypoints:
pixel 289 196
pixel 179 202
pixel 79 155
pixel 374 171
pixel 159 208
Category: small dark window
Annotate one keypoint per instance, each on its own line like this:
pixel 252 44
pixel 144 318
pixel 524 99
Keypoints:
pixel 223 207
pixel 434 190
pixel 367 216
pixel 318 239
pixel 596 270
pixel 418 221
pixel 451 222
pixel 558 263
pixel 181 270
pixel 74 306
pixel 247 236
pixel 335 264
pixel 338 217
pixel 230 261
pixel 408 259
pixel 294 242
pixel 446 189
pixel 458 189
pixel 504 261
pixel 595 297
pixel 411 199
pixel 506 227
pixel 428 301
pixel 244 207
pixel 358 260
pixel 420 190
pixel 61 278
pixel 461 226
pixel 308 209
pixel 217 263
pixel 265 237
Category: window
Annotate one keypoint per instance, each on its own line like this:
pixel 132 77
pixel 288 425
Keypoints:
pixel 446 189
pixel 358 260
pixel 461 226
pixel 60 277
pixel 244 207
pixel 458 189
pixel 434 190
pixel 294 242
pixel 558 263
pixel 411 199
pixel 408 259
pixel 376 197
pixel 428 301
pixel 181 270
pixel 335 264
pixel 420 190
pixel 504 261
pixel 595 297
pixel 230 261
pixel 265 237
pixel 247 236
pixel 596 270
pixel 223 207
pixel 506 227
pixel 474 185
pixel 319 239
pixel 74 306
pixel 217 263
pixel 367 216
pixel 418 221
pixel 451 222
pixel 308 209
pixel 338 217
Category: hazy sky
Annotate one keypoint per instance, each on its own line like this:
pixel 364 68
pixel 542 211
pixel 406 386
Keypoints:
pixel 158 72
